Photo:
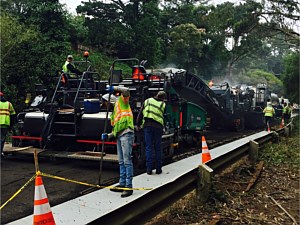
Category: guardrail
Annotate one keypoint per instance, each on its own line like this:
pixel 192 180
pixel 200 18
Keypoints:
pixel 214 166
pixel 149 205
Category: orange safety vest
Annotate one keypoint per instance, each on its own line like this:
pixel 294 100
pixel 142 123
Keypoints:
pixel 122 117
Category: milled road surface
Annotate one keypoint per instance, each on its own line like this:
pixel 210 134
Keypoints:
pixel 17 170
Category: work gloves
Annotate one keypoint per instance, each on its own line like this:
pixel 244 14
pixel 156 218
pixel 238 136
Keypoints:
pixel 124 90
pixel 106 136
pixel 110 89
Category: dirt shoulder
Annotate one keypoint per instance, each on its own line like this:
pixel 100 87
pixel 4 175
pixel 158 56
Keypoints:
pixel 274 199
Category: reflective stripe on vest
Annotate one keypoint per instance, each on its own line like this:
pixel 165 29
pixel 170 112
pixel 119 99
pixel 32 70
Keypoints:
pixel 122 117
pixel 6 109
pixel 269 111
pixel 154 109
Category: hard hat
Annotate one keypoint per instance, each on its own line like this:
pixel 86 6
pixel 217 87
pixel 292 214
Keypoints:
pixel 70 57
pixel 1 93
pixel 113 98
pixel 161 95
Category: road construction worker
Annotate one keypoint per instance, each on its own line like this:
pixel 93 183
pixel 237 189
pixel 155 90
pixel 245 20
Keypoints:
pixel 286 113
pixel 151 116
pixel 7 114
pixel 123 129
pixel 279 110
pixel 269 113
pixel 69 67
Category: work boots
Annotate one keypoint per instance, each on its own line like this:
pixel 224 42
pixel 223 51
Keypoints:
pixel 126 193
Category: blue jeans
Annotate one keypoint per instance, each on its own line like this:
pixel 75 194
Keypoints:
pixel 153 139
pixel 124 148
pixel 3 134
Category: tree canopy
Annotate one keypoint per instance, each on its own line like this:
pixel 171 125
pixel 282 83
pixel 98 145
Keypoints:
pixel 226 40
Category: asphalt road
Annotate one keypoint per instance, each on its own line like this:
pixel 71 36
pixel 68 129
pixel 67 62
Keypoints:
pixel 17 170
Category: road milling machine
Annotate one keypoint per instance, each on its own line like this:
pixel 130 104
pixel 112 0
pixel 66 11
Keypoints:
pixel 72 120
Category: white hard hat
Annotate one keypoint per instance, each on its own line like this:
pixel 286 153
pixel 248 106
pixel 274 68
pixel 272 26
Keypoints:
pixel 113 98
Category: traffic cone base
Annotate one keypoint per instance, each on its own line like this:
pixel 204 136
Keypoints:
pixel 40 219
pixel 205 152
pixel 282 123
pixel 42 213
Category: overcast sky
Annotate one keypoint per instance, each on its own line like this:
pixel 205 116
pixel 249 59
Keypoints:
pixel 72 4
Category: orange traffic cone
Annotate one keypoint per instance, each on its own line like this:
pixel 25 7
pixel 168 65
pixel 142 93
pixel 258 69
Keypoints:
pixel 205 152
pixel 42 212
pixel 282 123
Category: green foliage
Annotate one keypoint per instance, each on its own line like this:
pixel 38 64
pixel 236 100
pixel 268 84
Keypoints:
pixel 185 45
pixel 291 76
pixel 254 77
pixel 35 45
pixel 148 17
pixel 77 30
pixel 36 36
pixel 109 27
pixel 124 30
pixel 17 71
pixel 101 64
pixel 296 127
pixel 235 34
pixel 286 152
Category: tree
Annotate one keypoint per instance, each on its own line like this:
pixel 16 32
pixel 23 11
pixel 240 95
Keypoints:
pixel 256 76
pixel 77 31
pixel 238 29
pixel 17 71
pixel 291 76
pixel 124 30
pixel 281 17
pixel 48 17
pixel 185 46
pixel 38 58
pixel 108 29
pixel 146 33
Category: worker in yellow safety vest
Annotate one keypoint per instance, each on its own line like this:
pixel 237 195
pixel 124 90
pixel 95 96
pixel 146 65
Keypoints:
pixel 269 113
pixel 152 117
pixel 286 113
pixel 69 66
pixel 7 114
pixel 123 129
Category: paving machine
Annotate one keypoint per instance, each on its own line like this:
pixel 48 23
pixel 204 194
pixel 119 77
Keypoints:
pixel 72 119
